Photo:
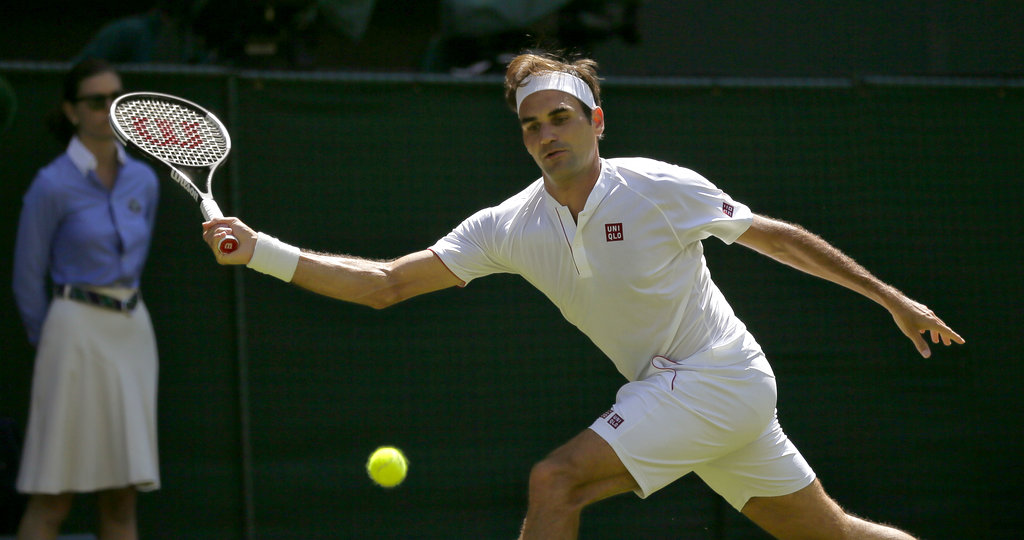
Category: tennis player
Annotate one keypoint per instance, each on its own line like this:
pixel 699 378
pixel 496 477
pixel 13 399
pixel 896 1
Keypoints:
pixel 616 245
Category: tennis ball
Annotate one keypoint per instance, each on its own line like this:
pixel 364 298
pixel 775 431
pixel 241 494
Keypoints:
pixel 387 466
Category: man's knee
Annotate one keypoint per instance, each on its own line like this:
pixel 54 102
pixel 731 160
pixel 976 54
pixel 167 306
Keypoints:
pixel 549 476
pixel 553 481
pixel 584 470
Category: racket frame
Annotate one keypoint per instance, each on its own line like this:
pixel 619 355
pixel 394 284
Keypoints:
pixel 182 173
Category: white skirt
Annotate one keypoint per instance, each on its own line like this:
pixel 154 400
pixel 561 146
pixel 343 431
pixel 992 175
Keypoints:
pixel 92 419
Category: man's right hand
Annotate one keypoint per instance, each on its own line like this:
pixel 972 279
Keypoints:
pixel 216 229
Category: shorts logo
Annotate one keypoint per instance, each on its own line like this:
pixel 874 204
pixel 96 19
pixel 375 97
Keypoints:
pixel 613 232
pixel 615 420
pixel 727 209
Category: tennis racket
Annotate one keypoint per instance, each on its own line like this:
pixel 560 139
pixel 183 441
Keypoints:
pixel 186 138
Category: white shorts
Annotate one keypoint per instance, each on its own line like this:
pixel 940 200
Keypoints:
pixel 715 420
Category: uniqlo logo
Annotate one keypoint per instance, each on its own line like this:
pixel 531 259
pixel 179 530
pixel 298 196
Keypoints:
pixel 727 209
pixel 613 232
pixel 615 421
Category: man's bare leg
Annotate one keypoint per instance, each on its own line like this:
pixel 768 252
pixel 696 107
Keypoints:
pixel 580 472
pixel 811 513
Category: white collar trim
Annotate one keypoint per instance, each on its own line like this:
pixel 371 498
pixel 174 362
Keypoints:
pixel 84 160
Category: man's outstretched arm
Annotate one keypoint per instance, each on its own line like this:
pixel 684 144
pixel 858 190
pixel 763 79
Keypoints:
pixel 373 283
pixel 795 246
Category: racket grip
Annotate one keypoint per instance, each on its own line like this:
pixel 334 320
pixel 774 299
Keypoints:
pixel 210 211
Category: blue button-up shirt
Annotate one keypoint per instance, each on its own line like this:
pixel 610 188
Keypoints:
pixel 78 231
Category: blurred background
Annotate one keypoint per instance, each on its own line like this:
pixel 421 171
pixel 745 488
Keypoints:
pixel 893 129
pixel 629 37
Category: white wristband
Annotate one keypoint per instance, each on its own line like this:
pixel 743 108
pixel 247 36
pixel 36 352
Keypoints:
pixel 274 257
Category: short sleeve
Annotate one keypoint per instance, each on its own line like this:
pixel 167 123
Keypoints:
pixel 714 213
pixel 469 251
pixel 696 208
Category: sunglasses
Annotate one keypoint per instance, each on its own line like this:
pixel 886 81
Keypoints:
pixel 99 102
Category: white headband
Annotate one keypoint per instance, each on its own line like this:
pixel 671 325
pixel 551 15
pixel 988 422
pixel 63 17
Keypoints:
pixel 556 80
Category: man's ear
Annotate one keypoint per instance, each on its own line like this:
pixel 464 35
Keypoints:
pixel 597 117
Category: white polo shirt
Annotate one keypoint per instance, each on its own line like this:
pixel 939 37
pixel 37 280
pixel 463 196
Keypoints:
pixel 631 273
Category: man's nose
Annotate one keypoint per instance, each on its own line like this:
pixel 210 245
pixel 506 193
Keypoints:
pixel 548 134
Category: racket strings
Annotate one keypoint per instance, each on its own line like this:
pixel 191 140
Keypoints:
pixel 171 132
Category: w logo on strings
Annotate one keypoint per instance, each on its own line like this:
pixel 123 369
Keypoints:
pixel 184 134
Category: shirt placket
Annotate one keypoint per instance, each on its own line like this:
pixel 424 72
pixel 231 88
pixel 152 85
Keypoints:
pixel 574 238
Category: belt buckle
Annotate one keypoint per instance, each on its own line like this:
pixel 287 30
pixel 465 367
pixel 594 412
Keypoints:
pixel 128 305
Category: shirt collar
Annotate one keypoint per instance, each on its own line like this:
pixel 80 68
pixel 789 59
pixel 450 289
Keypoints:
pixel 605 181
pixel 84 160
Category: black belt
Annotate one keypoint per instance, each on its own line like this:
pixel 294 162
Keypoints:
pixel 91 297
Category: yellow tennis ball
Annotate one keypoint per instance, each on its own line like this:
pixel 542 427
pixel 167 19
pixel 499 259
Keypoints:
pixel 387 466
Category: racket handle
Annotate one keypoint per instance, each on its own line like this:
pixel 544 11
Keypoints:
pixel 210 211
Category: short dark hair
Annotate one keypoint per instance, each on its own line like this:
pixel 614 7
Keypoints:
pixel 56 121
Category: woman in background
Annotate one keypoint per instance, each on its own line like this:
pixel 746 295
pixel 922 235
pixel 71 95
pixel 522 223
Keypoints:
pixel 85 227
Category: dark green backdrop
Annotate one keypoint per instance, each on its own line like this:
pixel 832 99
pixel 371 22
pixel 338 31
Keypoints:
pixel 271 398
